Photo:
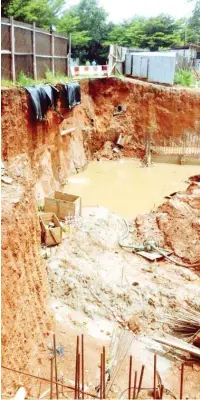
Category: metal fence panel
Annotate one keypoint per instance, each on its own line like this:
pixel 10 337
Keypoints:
pixel 23 41
pixel 42 65
pixel 5 37
pixel 24 47
pixel 6 66
pixel 144 67
pixel 60 46
pixel 24 64
pixel 162 69
pixel 136 65
pixel 128 64
pixel 43 44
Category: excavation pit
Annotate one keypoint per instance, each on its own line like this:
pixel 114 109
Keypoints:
pixel 88 280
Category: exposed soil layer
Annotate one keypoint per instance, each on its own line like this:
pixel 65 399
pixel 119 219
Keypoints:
pixel 25 316
pixel 164 112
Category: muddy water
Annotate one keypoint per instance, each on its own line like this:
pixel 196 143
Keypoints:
pixel 127 189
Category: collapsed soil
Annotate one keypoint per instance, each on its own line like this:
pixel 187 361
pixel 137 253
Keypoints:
pixel 101 284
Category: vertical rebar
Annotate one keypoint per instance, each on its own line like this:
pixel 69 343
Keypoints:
pixel 154 377
pixel 78 377
pixel 101 377
pixel 182 376
pixel 140 381
pixel 76 367
pixel 51 378
pixel 130 377
pixel 82 363
pixel 161 391
pixel 104 373
pixel 135 385
pixel 56 372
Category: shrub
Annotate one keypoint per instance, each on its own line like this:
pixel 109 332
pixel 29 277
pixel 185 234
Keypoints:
pixel 185 77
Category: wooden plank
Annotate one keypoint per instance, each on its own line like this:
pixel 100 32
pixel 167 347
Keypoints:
pixel 12 41
pixel 50 236
pixel 178 344
pixel 34 54
pixel 69 56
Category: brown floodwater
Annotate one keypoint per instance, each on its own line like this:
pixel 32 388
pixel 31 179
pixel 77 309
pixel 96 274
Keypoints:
pixel 126 188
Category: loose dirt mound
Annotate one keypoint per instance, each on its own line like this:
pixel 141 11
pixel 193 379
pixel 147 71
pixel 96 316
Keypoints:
pixel 176 224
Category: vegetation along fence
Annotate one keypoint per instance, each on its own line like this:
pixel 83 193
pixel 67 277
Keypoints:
pixel 24 47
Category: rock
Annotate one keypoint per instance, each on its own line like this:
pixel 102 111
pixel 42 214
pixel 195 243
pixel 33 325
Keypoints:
pixel 15 201
pixel 6 179
pixel 135 324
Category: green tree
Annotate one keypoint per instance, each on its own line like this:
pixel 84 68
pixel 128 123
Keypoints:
pixel 194 24
pixel 70 24
pixel 93 19
pixel 153 33
pixel 43 12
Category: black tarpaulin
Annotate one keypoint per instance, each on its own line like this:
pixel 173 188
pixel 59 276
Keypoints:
pixel 42 98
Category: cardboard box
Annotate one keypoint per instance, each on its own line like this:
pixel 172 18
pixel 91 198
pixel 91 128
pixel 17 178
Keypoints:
pixel 62 204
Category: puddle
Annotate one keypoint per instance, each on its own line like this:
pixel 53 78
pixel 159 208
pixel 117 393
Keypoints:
pixel 127 189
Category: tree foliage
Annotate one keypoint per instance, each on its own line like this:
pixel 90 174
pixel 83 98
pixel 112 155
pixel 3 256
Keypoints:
pixel 153 33
pixel 194 24
pixel 92 33
pixel 43 12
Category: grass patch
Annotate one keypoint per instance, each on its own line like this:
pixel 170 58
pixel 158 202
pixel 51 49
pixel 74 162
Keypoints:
pixel 185 77
pixel 24 80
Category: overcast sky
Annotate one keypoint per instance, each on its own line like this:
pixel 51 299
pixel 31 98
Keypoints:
pixel 125 9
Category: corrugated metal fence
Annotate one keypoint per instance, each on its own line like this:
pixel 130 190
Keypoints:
pixel 24 47
pixel 153 66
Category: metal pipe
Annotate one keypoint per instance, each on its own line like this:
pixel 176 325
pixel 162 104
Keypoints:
pixel 51 379
pixel 154 377
pixel 78 376
pixel 101 376
pixel 104 373
pixel 76 367
pixel 47 380
pixel 182 376
pixel 82 364
pixel 135 385
pixel 56 371
pixel 130 377
pixel 140 381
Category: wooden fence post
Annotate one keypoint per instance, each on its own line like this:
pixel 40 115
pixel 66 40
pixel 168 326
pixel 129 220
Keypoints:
pixel 69 56
pixel 34 54
pixel 12 42
pixel 52 54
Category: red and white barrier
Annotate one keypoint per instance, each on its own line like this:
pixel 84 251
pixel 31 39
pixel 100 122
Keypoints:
pixel 89 70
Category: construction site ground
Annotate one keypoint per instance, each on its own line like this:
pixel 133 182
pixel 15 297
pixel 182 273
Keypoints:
pixel 95 284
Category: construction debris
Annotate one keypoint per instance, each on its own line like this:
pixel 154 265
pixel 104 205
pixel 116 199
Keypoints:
pixel 185 323
pixel 178 344
pixel 6 179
